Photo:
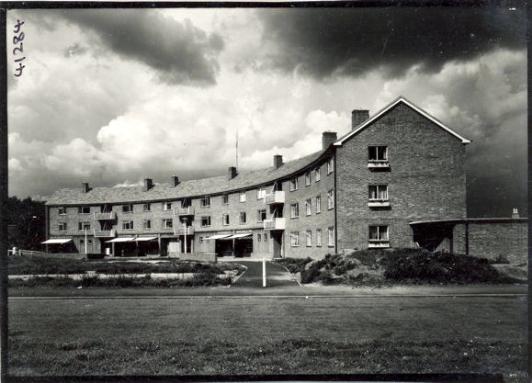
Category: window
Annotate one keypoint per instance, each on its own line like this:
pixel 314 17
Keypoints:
pixel 127 208
pixel 82 226
pixel 225 219
pixel 127 225
pixel 242 217
pixel 318 204
pixel 378 233
pixel 168 223
pixel 62 226
pixel 378 192
pixel 84 210
pixel 146 224
pixel 330 199
pixel 330 166
pixel 265 235
pixel 258 237
pixel 308 206
pixel 294 210
pixel 308 235
pixel 243 197
pixel 294 238
pixel 146 207
pixel 61 210
pixel 318 237
pixel 205 221
pixel 294 184
pixel 225 199
pixel 261 193
pixel 261 215
pixel 167 206
pixel 307 179
pixel 317 174
pixel 330 236
pixel 205 201
pixel 378 153
pixel 186 202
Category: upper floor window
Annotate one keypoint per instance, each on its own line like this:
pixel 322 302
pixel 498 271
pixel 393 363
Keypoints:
pixel 330 199
pixel 242 217
pixel 261 193
pixel 168 223
pixel 317 174
pixel 84 210
pixel 61 226
pixel 308 206
pixel 318 237
pixel 127 208
pixel 330 166
pixel 378 233
pixel 167 206
pixel 225 219
pixel 378 192
pixel 82 226
pixel 308 235
pixel 294 238
pixel 225 199
pixel 294 210
pixel 294 184
pixel 186 202
pixel 127 225
pixel 61 210
pixel 205 201
pixel 205 221
pixel 307 179
pixel 146 224
pixel 330 236
pixel 318 204
pixel 378 153
pixel 243 196
pixel 261 215
pixel 146 207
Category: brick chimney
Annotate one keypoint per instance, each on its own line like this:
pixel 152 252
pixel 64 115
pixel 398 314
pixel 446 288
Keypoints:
pixel 515 213
pixel 277 161
pixel 231 172
pixel 358 116
pixel 175 180
pixel 148 184
pixel 327 138
pixel 85 187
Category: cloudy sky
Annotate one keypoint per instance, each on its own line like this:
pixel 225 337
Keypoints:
pixel 114 96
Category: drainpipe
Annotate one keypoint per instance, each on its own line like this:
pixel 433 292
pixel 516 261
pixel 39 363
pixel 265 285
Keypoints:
pixel 467 238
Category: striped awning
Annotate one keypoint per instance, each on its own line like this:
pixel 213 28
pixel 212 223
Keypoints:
pixel 218 236
pixel 239 236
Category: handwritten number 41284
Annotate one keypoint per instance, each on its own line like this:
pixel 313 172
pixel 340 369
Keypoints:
pixel 18 50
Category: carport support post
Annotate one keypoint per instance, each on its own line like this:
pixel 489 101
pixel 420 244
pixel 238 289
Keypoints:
pixel 263 272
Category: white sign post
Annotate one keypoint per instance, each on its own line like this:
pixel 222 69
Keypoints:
pixel 263 272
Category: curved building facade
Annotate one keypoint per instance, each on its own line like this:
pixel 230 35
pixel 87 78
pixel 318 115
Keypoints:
pixel 359 191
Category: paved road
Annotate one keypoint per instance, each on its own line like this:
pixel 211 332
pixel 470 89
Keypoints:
pixel 276 276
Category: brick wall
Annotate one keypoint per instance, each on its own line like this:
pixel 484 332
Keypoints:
pixel 426 179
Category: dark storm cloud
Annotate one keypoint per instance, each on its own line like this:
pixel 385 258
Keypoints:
pixel 179 52
pixel 327 42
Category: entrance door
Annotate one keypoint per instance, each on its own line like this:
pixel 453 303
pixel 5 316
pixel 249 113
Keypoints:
pixel 277 242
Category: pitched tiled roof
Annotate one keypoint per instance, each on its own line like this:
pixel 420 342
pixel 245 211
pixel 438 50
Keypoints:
pixel 191 188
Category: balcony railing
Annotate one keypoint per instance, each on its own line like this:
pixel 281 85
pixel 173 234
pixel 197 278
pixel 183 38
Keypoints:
pixel 275 197
pixel 274 224
pixel 180 230
pixel 105 216
pixel 184 211
pixel 104 233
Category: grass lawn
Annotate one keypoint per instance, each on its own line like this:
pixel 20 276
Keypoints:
pixel 263 335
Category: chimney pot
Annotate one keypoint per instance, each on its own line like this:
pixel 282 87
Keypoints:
pixel 277 161
pixel 358 116
pixel 148 184
pixel 231 172
pixel 175 180
pixel 85 187
pixel 327 138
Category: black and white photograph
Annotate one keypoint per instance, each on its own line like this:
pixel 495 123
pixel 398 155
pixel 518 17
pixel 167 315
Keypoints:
pixel 276 190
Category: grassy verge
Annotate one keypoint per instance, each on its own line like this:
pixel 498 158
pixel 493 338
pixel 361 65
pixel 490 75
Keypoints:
pixel 294 265
pixel 289 356
pixel 405 266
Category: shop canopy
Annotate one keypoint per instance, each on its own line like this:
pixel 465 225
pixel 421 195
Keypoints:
pixel 56 241
pixel 144 239
pixel 121 239
pixel 239 236
pixel 218 236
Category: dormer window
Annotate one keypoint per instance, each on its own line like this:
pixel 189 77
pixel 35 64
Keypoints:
pixel 205 201
pixel 330 166
pixel 294 184
pixel 317 174
pixel 307 179
pixel 167 206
